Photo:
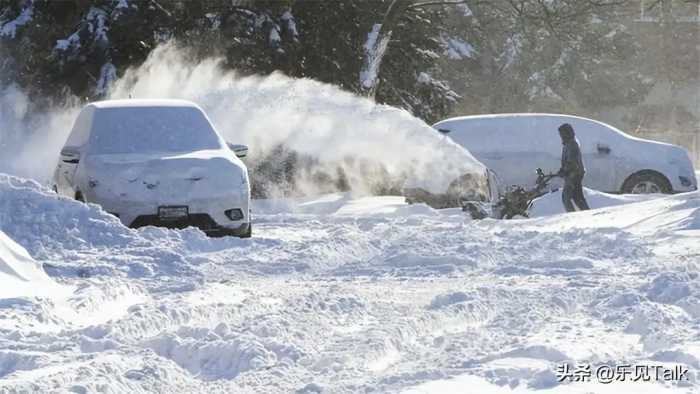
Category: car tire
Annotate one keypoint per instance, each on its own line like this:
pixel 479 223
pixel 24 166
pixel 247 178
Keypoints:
pixel 646 182
pixel 79 196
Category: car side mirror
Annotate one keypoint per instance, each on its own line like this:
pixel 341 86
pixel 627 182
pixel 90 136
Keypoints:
pixel 70 154
pixel 239 150
pixel 603 149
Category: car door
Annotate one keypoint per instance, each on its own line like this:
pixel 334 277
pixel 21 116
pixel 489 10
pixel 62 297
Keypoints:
pixel 513 147
pixel 544 143
pixel 525 143
pixel 483 136
pixel 598 145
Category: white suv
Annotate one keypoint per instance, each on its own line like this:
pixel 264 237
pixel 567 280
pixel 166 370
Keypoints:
pixel 156 162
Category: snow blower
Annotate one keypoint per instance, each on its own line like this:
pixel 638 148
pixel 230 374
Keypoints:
pixel 514 202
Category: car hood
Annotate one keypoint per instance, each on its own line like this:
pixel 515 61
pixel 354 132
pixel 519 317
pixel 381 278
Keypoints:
pixel 164 177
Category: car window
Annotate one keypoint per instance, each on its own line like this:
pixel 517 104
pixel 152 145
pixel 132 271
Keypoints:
pixel 81 129
pixel 591 134
pixel 151 130
pixel 505 134
pixel 476 135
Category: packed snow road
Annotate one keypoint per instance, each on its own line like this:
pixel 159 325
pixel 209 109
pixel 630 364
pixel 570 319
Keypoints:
pixel 342 295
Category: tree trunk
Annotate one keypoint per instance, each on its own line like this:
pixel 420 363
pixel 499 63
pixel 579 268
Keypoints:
pixel 667 26
pixel 375 46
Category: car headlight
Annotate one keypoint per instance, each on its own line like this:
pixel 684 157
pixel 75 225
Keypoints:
pixel 234 214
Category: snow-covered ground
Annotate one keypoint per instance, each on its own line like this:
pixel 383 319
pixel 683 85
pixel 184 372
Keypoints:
pixel 550 203
pixel 338 294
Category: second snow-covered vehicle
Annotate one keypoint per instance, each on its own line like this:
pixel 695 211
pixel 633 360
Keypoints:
pixel 156 162
pixel 512 144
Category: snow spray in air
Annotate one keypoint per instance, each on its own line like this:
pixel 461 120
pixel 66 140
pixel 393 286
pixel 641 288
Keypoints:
pixel 334 139
pixel 31 141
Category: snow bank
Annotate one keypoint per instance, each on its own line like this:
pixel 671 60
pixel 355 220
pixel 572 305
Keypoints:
pixel 550 203
pixel 346 205
pixel 40 220
pixel 384 206
pixel 20 275
pixel 223 358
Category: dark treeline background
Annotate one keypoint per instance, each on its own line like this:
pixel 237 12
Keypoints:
pixel 634 64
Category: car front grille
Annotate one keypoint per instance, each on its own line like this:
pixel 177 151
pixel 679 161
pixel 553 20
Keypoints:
pixel 200 220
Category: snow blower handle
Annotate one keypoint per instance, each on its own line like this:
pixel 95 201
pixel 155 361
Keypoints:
pixel 551 175
pixel 542 180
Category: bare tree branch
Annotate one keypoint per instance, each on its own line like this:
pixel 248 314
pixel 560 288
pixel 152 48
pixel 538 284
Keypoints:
pixel 431 3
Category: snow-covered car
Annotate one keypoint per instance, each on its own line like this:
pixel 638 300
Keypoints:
pixel 156 162
pixel 513 145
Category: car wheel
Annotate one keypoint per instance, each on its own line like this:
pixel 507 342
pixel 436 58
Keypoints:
pixel 79 196
pixel 646 183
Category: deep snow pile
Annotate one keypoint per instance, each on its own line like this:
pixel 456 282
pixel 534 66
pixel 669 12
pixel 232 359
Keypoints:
pixel 20 275
pixel 332 297
pixel 550 203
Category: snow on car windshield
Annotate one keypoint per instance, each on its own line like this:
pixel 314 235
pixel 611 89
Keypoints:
pixel 151 130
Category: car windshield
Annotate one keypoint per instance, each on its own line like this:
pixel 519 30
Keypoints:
pixel 151 130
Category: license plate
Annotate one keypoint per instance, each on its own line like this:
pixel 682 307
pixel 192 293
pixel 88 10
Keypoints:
pixel 172 213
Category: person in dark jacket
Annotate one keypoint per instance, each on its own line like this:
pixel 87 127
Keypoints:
pixel 572 170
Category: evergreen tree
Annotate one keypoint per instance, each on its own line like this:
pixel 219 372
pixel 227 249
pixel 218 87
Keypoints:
pixel 473 56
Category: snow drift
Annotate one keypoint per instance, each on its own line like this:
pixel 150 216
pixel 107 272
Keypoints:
pixel 20 275
pixel 550 203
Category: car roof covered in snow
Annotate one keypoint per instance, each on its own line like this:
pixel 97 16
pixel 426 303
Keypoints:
pixel 98 111
pixel 534 116
pixel 520 115
pixel 517 132
pixel 131 103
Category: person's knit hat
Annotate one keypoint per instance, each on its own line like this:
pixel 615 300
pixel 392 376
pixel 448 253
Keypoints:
pixel 566 131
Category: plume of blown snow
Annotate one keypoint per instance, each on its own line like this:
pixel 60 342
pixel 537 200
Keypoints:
pixel 335 127
pixel 30 142
pixel 340 131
